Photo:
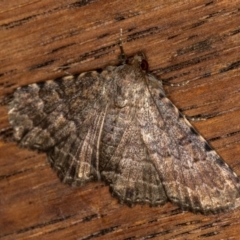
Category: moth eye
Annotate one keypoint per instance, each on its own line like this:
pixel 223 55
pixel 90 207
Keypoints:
pixel 144 65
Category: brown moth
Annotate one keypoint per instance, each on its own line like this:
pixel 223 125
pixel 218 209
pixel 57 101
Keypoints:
pixel 118 125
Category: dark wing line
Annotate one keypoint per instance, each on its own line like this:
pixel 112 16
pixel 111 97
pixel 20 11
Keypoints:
pixel 172 138
pixel 178 114
pixel 181 166
pixel 85 153
pixel 124 133
pixel 99 140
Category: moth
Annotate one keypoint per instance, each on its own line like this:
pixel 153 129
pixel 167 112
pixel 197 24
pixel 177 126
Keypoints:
pixel 117 125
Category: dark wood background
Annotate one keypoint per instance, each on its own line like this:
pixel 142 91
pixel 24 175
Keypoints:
pixel 198 41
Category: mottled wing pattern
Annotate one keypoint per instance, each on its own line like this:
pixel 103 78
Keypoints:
pixel 125 161
pixel 119 125
pixel 193 175
pixel 132 176
pixel 63 118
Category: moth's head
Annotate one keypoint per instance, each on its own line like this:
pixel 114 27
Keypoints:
pixel 139 61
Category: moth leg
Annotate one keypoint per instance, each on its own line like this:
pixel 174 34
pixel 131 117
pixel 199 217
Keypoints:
pixel 196 119
pixel 175 84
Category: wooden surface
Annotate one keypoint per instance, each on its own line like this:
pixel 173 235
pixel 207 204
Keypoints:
pixel 198 41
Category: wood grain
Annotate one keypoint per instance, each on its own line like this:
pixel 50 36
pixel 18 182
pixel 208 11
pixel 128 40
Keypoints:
pixel 195 41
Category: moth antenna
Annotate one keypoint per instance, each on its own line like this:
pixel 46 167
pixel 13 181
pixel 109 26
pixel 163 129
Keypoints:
pixel 122 57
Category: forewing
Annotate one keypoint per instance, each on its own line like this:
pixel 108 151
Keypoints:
pixel 63 118
pixel 193 175
pixel 132 176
